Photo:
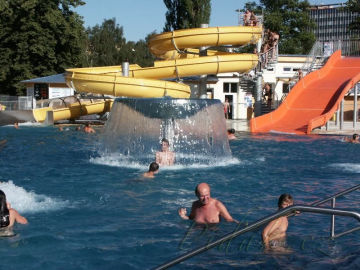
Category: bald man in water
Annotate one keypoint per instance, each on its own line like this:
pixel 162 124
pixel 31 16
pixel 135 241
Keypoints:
pixel 206 210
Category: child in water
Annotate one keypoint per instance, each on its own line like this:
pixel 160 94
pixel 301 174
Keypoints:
pixel 274 233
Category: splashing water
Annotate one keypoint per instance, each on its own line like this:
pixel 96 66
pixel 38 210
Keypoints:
pixel 195 128
pixel 28 201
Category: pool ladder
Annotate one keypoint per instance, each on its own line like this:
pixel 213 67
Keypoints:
pixel 288 211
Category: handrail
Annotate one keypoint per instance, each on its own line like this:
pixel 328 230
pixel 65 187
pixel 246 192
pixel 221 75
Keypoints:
pixel 258 223
pixel 341 193
pixel 333 201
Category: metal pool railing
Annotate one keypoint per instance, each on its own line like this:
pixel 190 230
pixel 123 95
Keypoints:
pixel 284 212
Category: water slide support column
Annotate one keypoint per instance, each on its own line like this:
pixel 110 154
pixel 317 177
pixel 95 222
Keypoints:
pixel 203 78
pixel 125 69
pixel 355 106
pixel 342 114
pixel 258 94
pixel 257 107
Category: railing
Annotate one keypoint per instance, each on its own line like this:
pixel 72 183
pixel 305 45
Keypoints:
pixel 284 212
pixel 11 103
pixel 333 201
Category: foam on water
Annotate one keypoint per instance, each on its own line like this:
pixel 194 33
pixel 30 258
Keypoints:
pixel 27 124
pixel 347 167
pixel 28 201
pixel 202 162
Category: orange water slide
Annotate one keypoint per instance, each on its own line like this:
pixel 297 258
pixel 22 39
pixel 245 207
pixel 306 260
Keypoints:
pixel 314 99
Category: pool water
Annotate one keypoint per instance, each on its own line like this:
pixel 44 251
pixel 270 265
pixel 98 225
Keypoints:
pixel 87 211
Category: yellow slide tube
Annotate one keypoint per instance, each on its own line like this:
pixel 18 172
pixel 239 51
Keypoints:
pixel 174 46
pixel 74 110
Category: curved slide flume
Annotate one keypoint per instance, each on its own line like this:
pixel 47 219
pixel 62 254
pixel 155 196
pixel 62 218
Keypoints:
pixel 313 100
pixel 181 60
pixel 73 111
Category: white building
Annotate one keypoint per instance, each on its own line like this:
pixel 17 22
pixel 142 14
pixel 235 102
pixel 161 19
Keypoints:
pixel 49 87
pixel 240 88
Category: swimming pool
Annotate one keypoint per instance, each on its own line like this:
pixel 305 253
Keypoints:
pixel 92 212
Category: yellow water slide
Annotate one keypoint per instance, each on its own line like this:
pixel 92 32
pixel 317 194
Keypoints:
pixel 181 54
pixel 181 60
pixel 73 110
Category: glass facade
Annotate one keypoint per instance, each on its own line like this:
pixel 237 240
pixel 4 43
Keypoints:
pixel 332 22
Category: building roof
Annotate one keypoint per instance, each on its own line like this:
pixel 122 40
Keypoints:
pixel 58 78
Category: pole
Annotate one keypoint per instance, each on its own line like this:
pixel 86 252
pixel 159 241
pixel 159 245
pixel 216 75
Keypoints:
pixel 257 107
pixel 203 78
pixel 342 114
pixel 332 228
pixel 355 107
pixel 125 69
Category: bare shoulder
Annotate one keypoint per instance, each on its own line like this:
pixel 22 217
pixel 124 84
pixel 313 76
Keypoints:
pixel 13 211
pixel 219 204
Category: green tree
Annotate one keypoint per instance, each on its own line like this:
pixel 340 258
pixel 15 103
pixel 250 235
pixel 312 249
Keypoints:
pixel 105 43
pixel 38 38
pixel 289 18
pixel 139 53
pixel 183 14
pixel 354 6
pixel 253 6
pixel 107 46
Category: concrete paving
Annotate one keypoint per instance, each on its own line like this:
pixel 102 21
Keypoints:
pixel 332 129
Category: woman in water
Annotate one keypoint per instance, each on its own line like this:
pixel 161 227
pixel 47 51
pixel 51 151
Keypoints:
pixel 8 215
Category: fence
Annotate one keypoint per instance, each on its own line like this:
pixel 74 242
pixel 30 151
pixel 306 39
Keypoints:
pixel 11 103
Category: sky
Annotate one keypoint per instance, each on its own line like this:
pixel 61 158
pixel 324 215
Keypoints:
pixel 141 17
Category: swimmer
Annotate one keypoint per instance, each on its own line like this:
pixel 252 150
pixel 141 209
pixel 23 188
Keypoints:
pixel 206 210
pixel 88 129
pixel 353 139
pixel 231 134
pixel 61 128
pixel 165 157
pixel 8 215
pixel 16 125
pixel 274 233
pixel 153 169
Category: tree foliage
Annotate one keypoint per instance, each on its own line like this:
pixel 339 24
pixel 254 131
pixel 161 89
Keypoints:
pixel 354 6
pixel 183 14
pixel 107 46
pixel 105 43
pixel 38 38
pixel 291 19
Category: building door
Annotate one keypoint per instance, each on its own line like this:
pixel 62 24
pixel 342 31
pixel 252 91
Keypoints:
pixel 230 99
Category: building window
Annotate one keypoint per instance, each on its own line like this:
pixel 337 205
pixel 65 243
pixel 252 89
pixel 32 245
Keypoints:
pixel 287 69
pixel 230 88
pixel 41 91
pixel 286 88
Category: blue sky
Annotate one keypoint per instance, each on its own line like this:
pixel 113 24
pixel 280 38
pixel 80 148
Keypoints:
pixel 140 17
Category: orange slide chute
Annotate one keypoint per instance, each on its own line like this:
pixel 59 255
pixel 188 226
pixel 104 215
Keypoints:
pixel 314 99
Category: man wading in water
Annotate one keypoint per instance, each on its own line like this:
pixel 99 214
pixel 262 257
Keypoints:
pixel 206 210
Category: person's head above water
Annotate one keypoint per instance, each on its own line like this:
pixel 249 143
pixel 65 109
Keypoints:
pixel 285 200
pixel 202 191
pixel 153 167
pixel 355 136
pixel 231 131
pixel 165 144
